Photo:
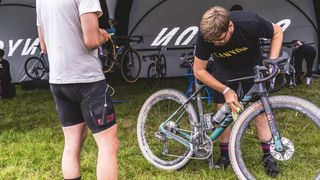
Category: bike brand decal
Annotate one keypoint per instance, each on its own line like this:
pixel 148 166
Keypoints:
pixel 163 39
pixel 28 48
pixel 269 116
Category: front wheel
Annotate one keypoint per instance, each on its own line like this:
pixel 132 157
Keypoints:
pixel 299 125
pixel 131 65
pixel 34 68
pixel 158 147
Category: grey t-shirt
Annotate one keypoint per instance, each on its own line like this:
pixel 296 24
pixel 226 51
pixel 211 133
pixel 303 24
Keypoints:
pixel 69 59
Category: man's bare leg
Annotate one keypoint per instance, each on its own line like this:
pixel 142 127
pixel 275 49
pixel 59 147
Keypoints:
pixel 74 137
pixel 108 145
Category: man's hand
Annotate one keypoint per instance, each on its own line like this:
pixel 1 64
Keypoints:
pixel 232 100
pixel 106 36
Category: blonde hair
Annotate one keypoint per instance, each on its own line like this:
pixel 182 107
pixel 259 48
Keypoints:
pixel 214 22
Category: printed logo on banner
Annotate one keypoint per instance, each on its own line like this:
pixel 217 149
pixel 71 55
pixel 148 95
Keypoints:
pixel 189 33
pixel 28 47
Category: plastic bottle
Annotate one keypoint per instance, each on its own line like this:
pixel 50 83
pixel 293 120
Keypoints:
pixel 221 114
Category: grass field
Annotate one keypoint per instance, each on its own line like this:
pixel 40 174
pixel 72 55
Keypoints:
pixel 31 140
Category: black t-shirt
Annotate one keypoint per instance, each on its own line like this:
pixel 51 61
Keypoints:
pixel 238 57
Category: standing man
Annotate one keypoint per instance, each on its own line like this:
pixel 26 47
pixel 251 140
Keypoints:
pixel 69 33
pixel 232 38
pixel 7 89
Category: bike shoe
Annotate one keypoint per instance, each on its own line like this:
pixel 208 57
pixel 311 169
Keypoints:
pixel 270 166
pixel 222 163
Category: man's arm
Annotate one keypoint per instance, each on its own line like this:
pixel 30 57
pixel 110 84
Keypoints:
pixel 92 34
pixel 276 41
pixel 200 72
pixel 204 76
pixel 41 39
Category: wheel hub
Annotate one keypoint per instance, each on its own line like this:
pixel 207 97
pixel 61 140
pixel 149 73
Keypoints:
pixel 172 127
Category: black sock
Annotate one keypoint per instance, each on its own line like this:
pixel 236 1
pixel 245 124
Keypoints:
pixel 265 148
pixel 224 149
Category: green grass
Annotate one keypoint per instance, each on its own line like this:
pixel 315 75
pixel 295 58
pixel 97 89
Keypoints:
pixel 31 140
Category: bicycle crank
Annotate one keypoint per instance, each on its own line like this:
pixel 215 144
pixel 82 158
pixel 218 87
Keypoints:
pixel 286 154
pixel 202 147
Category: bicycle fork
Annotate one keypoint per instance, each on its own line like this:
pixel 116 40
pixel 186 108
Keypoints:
pixel 276 137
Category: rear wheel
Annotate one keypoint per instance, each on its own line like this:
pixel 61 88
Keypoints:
pixel 131 65
pixel 159 148
pixel 299 125
pixel 34 68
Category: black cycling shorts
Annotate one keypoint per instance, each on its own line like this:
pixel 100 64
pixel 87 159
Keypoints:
pixel 83 102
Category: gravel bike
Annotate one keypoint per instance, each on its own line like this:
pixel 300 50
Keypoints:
pixel 157 68
pixel 117 53
pixel 171 131
pixel 36 66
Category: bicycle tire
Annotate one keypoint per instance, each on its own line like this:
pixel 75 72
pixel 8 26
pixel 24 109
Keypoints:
pixel 130 65
pixel 107 56
pixel 34 68
pixel 243 153
pixel 163 62
pixel 147 140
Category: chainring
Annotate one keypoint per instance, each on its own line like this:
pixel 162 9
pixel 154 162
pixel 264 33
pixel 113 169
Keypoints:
pixel 202 147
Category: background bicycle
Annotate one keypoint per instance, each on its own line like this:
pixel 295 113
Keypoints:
pixel 36 66
pixel 287 76
pixel 117 53
pixel 157 68
pixel 171 131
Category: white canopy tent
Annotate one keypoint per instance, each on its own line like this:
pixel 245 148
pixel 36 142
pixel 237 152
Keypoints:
pixel 169 23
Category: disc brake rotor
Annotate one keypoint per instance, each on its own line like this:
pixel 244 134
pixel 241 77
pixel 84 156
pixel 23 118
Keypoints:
pixel 286 154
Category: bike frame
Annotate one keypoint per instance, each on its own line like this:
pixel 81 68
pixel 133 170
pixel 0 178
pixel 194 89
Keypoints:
pixel 120 49
pixel 156 60
pixel 258 88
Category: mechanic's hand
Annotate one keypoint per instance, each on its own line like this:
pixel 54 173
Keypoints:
pixel 232 101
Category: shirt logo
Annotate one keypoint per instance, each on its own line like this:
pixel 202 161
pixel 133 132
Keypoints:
pixel 230 53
